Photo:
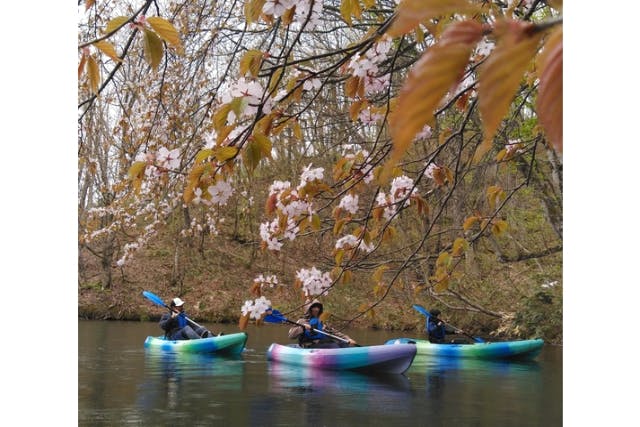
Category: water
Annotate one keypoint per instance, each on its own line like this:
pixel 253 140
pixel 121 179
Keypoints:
pixel 119 383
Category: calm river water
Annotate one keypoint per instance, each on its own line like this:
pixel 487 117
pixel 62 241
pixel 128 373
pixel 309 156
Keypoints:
pixel 119 383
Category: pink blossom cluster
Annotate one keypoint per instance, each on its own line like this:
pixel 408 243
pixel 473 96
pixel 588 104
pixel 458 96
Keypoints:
pixel 251 93
pixel 271 281
pixel 304 10
pixel 349 203
pixel 366 66
pixel 362 163
pixel 352 242
pixel 256 308
pixel 400 193
pixel 314 282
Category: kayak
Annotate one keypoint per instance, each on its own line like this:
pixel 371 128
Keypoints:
pixel 223 344
pixel 524 349
pixel 382 359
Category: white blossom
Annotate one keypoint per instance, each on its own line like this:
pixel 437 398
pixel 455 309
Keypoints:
pixel 349 203
pixel 220 192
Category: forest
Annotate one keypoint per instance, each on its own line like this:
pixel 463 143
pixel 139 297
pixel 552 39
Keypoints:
pixel 373 154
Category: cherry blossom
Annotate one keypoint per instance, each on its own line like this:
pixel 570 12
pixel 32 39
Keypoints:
pixel 314 282
pixel 349 203
pixel 277 8
pixel 169 159
pixel 220 192
pixel 309 175
pixel 431 168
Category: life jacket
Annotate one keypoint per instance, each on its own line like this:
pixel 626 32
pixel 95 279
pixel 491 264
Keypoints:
pixel 314 334
pixel 182 320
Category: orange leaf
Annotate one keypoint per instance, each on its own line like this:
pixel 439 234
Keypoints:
pixel 253 9
pixel 108 49
pixel 499 226
pixel 469 222
pixel 83 62
pixel 459 246
pixel 351 86
pixel 165 30
pixel 429 80
pixel 88 4
pixel 413 12
pixel 94 74
pixel 549 103
pixel 346 10
pixel 242 323
pixel 494 194
pixel 251 62
pixel 500 75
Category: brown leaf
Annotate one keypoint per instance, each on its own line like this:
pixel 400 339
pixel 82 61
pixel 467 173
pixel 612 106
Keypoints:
pixel 153 49
pixel 500 75
pixel 108 49
pixel 251 62
pixel 346 10
pixel 469 222
pixel 253 9
pixel 242 323
pixel 460 245
pixel 429 80
pixel 93 70
pixel 413 12
pixel 498 227
pixel 165 30
pixel 549 102
pixel 115 23
pixel 83 62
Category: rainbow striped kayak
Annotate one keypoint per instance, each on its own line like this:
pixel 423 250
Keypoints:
pixel 524 349
pixel 223 344
pixel 383 359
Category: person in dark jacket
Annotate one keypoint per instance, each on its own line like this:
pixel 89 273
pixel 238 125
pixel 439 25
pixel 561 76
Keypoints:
pixel 436 328
pixel 310 334
pixel 176 326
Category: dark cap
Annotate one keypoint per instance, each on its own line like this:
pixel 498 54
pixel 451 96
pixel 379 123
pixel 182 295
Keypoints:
pixel 435 312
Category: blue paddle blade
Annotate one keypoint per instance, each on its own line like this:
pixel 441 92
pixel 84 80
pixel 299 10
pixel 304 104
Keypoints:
pixel 275 317
pixel 153 298
pixel 421 309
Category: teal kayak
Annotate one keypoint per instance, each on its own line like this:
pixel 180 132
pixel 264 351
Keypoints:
pixel 223 344
pixel 524 349
pixel 382 359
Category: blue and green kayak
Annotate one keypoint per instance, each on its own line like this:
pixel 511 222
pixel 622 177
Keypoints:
pixel 523 349
pixel 231 344
pixel 382 359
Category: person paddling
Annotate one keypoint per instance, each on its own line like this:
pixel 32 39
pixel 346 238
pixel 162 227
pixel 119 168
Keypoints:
pixel 436 328
pixel 310 336
pixel 176 325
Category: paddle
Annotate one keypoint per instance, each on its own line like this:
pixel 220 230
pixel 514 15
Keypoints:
pixel 424 311
pixel 274 316
pixel 158 301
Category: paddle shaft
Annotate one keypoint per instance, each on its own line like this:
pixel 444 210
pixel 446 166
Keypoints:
pixel 424 311
pixel 314 329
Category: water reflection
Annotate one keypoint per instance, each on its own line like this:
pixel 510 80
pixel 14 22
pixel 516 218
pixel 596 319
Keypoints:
pixel 168 364
pixel 478 367
pixel 351 390
pixel 171 379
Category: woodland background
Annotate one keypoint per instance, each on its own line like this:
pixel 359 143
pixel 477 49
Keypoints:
pixel 477 232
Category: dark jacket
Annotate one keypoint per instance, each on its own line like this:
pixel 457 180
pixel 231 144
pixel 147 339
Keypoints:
pixel 171 325
pixel 436 329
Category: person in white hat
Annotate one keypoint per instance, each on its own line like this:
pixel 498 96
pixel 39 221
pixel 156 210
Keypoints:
pixel 176 324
